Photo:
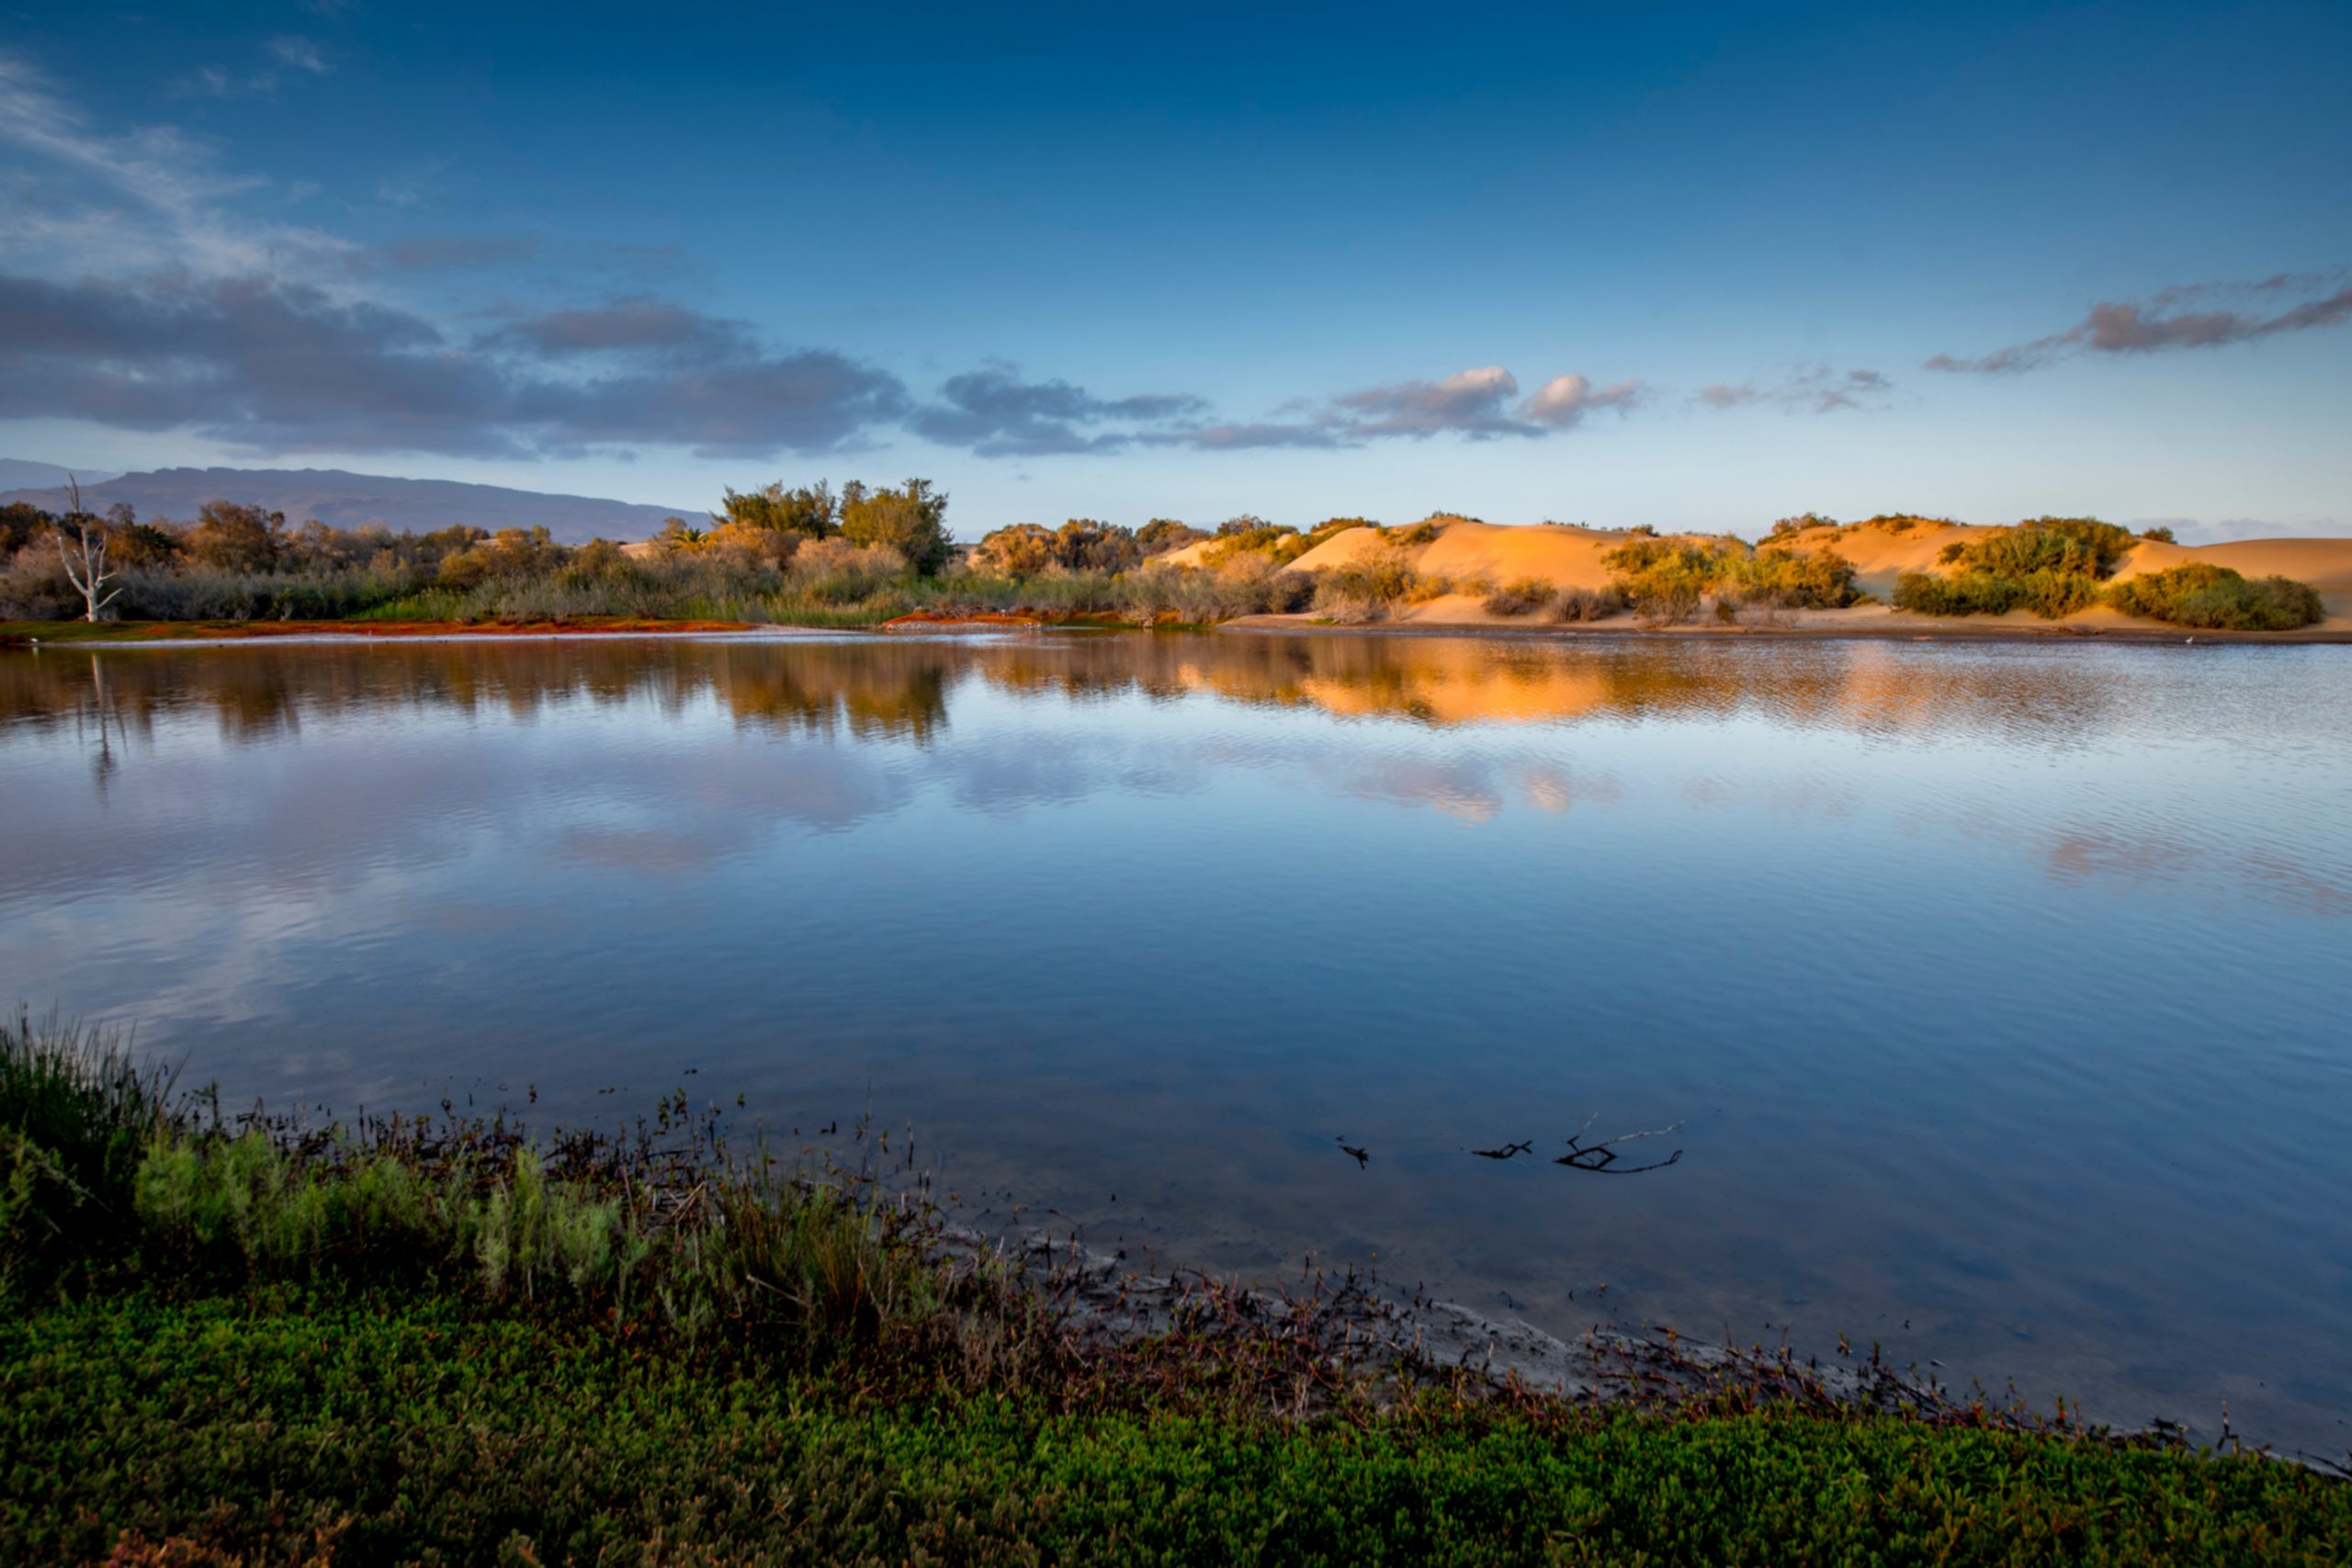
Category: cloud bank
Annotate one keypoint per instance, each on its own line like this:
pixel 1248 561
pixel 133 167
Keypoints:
pixel 277 338
pixel 2160 322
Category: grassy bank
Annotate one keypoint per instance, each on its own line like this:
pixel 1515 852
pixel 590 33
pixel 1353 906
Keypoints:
pixel 357 1426
pixel 225 1340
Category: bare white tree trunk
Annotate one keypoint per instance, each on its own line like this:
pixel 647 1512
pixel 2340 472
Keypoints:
pixel 92 576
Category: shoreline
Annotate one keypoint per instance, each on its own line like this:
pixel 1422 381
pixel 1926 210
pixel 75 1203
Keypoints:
pixel 151 635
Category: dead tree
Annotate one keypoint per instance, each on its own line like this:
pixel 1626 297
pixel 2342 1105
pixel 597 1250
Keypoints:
pixel 93 574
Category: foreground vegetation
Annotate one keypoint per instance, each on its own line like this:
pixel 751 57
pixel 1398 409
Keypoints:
pixel 357 1426
pixel 2055 566
pixel 807 557
pixel 230 1342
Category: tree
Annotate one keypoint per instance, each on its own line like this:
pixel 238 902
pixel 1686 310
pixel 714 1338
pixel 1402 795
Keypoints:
pixel 229 537
pixel 911 520
pixel 1162 535
pixel 20 524
pixel 92 575
pixel 1023 549
pixel 1084 544
pixel 135 543
pixel 678 536
pixel 810 511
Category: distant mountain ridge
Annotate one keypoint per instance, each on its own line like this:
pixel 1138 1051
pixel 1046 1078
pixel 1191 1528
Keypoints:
pixel 16 473
pixel 347 499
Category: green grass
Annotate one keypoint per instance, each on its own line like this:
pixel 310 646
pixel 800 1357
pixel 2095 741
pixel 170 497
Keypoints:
pixel 78 1113
pixel 419 1342
pixel 374 1427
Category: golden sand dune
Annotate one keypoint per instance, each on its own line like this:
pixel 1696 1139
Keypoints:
pixel 1567 557
pixel 1882 551
pixel 1571 557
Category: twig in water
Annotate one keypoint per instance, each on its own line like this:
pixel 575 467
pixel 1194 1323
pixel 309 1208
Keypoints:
pixel 1601 1158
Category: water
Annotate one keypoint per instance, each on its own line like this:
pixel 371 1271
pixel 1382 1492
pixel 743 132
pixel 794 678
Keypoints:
pixel 2001 991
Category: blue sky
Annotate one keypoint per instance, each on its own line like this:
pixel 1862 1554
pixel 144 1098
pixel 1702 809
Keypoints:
pixel 1700 267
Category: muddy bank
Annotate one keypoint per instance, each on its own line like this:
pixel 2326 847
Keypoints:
pixel 1353 1325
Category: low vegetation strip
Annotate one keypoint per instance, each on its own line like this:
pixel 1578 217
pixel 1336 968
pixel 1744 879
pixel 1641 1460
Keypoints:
pixel 362 1428
pixel 866 556
pixel 233 1341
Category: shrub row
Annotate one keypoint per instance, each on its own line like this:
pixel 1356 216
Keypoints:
pixel 2199 594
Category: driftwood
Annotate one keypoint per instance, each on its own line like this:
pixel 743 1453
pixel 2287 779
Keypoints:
pixel 1601 1158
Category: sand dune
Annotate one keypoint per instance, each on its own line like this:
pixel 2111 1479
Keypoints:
pixel 1571 557
pixel 1568 557
pixel 2325 564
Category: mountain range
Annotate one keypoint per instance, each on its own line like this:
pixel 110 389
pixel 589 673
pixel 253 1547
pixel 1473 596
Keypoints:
pixel 344 499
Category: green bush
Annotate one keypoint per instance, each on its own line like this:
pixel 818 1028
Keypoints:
pixel 1365 588
pixel 2199 593
pixel 2049 565
pixel 2070 546
pixel 1665 578
pixel 1789 579
pixel 2049 594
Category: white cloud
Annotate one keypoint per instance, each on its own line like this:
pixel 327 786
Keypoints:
pixel 1564 400
pixel 288 48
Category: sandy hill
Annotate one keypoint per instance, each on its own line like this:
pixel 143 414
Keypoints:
pixel 1567 556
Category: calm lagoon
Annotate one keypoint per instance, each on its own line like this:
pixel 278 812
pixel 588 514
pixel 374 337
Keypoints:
pixel 2003 990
